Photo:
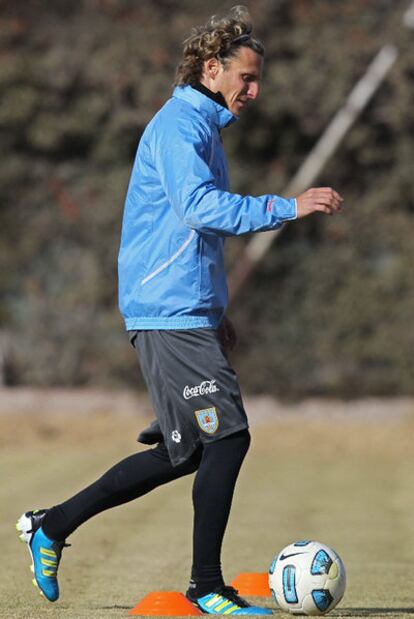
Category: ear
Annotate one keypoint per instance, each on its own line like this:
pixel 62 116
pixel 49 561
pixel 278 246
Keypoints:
pixel 211 68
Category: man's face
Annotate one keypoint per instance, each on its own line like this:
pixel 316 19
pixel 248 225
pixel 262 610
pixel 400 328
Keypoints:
pixel 239 80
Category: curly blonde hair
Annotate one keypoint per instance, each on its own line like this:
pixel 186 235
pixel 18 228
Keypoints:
pixel 220 37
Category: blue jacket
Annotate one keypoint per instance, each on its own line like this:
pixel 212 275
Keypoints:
pixel 178 211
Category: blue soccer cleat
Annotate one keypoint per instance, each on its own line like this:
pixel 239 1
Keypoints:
pixel 225 601
pixel 45 553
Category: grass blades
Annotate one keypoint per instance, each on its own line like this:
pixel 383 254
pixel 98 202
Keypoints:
pixel 348 484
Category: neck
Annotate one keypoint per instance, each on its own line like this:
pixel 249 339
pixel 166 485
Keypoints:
pixel 215 96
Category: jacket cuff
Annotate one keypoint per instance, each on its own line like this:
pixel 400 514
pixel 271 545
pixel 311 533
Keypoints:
pixel 288 209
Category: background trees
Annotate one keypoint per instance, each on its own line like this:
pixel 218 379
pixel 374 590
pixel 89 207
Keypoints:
pixel 329 311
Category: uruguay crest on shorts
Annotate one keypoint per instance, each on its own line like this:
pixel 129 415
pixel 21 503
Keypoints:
pixel 207 419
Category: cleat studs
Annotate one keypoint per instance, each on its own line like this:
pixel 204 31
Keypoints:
pixel 32 568
pixel 34 583
pixel 22 538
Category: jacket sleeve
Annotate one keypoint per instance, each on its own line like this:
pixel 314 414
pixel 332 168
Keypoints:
pixel 181 153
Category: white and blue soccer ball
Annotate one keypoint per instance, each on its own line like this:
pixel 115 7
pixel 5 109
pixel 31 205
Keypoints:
pixel 307 578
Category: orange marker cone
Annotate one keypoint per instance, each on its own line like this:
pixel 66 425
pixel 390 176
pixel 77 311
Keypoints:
pixel 249 583
pixel 165 604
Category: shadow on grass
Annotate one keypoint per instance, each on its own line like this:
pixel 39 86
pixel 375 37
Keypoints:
pixel 114 607
pixel 372 612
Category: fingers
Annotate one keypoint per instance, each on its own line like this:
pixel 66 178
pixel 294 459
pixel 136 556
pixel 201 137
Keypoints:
pixel 331 192
pixel 227 334
pixel 325 199
pixel 326 196
pixel 230 337
pixel 328 205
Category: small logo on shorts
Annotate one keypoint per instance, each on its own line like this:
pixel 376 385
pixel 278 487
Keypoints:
pixel 176 436
pixel 207 419
pixel 204 388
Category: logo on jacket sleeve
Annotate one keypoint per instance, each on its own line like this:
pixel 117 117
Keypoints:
pixel 207 419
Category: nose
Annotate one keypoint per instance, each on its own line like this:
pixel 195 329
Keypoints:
pixel 254 90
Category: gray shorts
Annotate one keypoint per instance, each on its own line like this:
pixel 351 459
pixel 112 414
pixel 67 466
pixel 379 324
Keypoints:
pixel 194 391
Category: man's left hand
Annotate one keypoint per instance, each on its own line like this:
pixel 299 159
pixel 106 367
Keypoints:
pixel 227 334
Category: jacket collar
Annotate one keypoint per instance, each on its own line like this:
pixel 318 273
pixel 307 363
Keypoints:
pixel 207 104
pixel 215 96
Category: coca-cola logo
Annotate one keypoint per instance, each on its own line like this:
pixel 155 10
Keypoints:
pixel 204 388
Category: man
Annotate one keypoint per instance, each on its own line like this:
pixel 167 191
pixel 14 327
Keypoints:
pixel 173 296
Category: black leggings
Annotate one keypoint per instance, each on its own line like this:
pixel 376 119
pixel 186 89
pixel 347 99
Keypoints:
pixel 218 465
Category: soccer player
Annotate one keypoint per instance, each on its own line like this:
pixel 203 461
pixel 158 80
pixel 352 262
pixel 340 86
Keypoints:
pixel 173 296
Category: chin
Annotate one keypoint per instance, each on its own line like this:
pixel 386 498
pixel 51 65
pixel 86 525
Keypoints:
pixel 237 109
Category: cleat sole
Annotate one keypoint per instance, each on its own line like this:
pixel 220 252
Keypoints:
pixel 23 525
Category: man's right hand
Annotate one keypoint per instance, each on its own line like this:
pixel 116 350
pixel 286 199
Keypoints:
pixel 323 199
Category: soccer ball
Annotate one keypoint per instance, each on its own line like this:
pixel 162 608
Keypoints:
pixel 307 578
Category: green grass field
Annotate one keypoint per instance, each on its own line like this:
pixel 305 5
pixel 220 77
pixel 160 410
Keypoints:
pixel 349 484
